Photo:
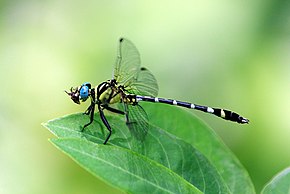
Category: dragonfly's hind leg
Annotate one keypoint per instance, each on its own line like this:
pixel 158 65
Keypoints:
pixel 114 110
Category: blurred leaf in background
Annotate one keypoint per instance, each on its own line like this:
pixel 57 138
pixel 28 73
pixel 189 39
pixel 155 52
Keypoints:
pixel 232 54
pixel 279 183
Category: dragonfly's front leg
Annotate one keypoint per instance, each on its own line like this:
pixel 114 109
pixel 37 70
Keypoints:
pixel 91 110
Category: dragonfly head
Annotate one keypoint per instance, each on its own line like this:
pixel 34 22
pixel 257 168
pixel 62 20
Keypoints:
pixel 80 93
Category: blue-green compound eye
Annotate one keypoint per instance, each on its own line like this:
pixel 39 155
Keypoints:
pixel 84 92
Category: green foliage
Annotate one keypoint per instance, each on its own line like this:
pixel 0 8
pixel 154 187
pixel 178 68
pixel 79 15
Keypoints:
pixel 180 154
pixel 280 184
pixel 123 168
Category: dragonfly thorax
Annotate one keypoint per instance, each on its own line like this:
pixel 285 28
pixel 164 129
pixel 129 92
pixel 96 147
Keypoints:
pixel 108 92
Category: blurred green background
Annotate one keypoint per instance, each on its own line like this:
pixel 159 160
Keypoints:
pixel 232 54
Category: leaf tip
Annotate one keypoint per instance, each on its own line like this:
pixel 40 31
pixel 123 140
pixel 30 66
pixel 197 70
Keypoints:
pixel 44 124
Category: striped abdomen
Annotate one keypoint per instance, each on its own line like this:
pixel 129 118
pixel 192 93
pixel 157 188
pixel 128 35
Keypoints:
pixel 225 114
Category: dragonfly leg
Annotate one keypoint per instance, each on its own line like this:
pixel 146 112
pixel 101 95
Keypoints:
pixel 90 111
pixel 113 110
pixel 106 123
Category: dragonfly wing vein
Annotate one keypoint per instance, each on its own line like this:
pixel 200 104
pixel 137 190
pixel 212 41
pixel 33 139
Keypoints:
pixel 145 85
pixel 127 64
pixel 137 121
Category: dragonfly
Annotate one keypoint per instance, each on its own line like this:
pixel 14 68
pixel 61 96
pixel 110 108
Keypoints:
pixel 130 85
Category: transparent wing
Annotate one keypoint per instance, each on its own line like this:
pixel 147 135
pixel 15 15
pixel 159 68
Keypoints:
pixel 145 85
pixel 137 121
pixel 128 63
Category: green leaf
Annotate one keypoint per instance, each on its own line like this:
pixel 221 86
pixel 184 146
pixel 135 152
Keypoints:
pixel 280 184
pixel 123 168
pixel 205 163
pixel 185 125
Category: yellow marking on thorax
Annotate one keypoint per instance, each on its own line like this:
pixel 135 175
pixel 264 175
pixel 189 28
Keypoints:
pixel 104 97
pixel 116 99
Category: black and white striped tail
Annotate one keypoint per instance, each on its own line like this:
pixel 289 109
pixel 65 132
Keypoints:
pixel 225 114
